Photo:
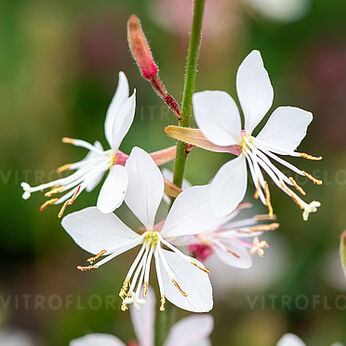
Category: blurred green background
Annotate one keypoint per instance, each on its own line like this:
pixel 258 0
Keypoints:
pixel 59 62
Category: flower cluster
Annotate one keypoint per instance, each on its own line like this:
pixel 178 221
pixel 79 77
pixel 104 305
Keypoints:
pixel 202 221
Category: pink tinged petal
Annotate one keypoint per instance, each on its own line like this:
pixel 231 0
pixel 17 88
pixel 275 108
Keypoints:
pixel 123 121
pixel 290 340
pixel 192 280
pixel 217 116
pixel 190 213
pixel 193 330
pixel 95 181
pixel 285 128
pixel 120 96
pixel 196 138
pixel 233 254
pixel 254 89
pixel 113 190
pixel 146 186
pixel 97 340
pixel 143 320
pixel 94 231
pixel 229 186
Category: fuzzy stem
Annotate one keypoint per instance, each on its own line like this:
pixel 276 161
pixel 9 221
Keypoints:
pixel 189 86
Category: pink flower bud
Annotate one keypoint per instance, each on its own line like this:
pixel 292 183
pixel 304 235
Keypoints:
pixel 140 48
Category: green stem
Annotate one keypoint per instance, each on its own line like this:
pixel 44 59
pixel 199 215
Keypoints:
pixel 189 86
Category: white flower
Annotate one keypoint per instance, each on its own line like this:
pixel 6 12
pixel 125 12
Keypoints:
pixel 182 280
pixel 190 331
pixel 285 11
pixel 218 118
pixel 226 238
pixel 290 340
pixel 91 169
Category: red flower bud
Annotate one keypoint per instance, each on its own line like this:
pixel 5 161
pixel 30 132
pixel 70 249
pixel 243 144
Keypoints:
pixel 140 48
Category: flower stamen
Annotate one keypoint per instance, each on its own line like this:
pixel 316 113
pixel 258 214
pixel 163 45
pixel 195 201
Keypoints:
pixel 163 302
pixel 85 268
pixel 206 270
pixel 313 179
pixel 47 203
pixel 267 199
pixel 298 187
pixel 310 157
pixel 91 260
pixel 179 288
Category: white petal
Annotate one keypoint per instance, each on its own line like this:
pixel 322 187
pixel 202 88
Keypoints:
pixel 286 128
pixel 123 121
pixel 229 186
pixel 193 281
pixel 290 340
pixel 243 261
pixel 146 186
pixel 190 213
pixel 143 320
pixel 94 231
pixel 113 190
pixel 254 89
pixel 120 96
pixel 190 330
pixel 97 340
pixel 217 116
pixel 94 182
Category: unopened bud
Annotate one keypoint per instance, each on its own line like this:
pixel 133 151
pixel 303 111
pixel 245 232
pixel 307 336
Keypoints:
pixel 142 54
pixel 140 48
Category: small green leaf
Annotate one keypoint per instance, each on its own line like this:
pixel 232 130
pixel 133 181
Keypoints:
pixel 343 251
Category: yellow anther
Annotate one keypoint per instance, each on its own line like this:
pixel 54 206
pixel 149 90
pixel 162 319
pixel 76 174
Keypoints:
pixel 123 290
pixel 85 268
pixel 267 198
pixel 47 203
pixel 163 302
pixel 313 179
pixel 94 258
pixel 64 168
pixel 265 228
pixel 68 140
pixel 145 289
pixel 232 253
pixel 298 187
pixel 179 288
pixel 256 194
pixel 200 267
pixel 265 217
pixel 54 190
pixel 68 202
pixel 310 157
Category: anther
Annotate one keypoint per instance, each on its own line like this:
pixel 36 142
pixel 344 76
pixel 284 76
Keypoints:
pixel 179 288
pixel 313 179
pixel 85 268
pixel 145 289
pixel 265 217
pixel 68 140
pixel 91 260
pixel 54 190
pixel 298 187
pixel 310 157
pixel 200 267
pixel 267 199
pixel 64 168
pixel 232 253
pixel 163 302
pixel 265 228
pixel 47 203
pixel 69 202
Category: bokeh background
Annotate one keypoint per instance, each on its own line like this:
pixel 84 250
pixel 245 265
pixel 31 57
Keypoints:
pixel 58 65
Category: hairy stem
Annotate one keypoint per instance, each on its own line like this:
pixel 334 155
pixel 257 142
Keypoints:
pixel 189 86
